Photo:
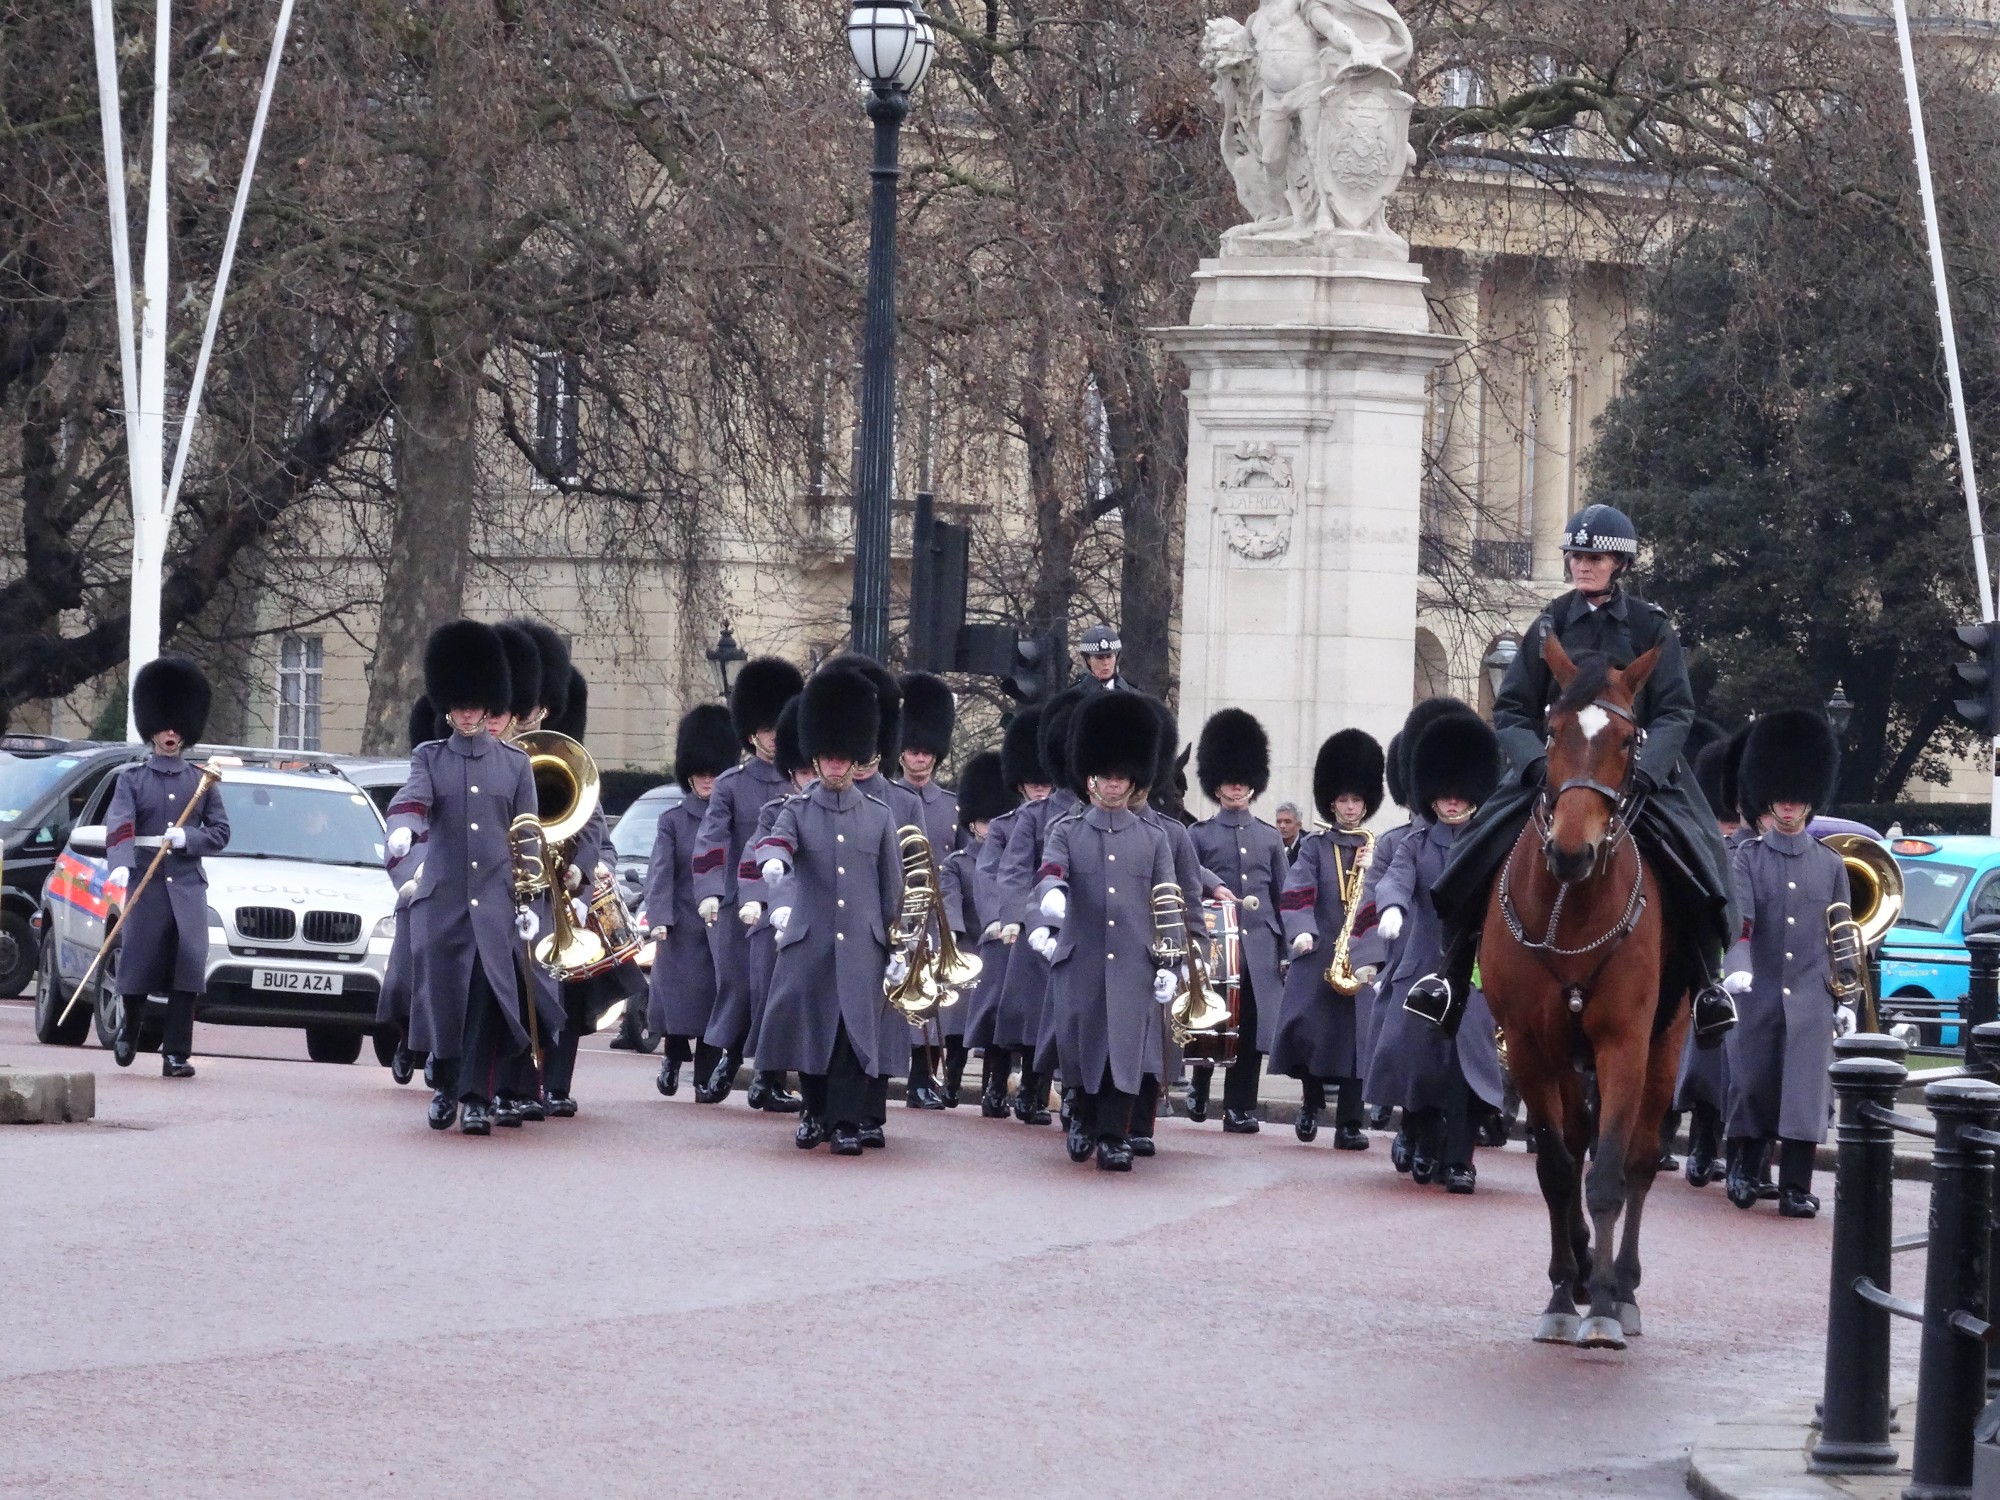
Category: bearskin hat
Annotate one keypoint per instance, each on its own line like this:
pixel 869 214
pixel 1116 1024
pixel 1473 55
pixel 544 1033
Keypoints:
pixel 930 711
pixel 790 757
pixel 552 693
pixel 1350 761
pixel 171 692
pixel 840 716
pixel 888 697
pixel 465 666
pixel 1790 756
pixel 426 723
pixel 1421 718
pixel 524 670
pixel 1732 775
pixel 764 685
pixel 1708 768
pixel 705 744
pixel 1168 789
pixel 1457 756
pixel 983 793
pixel 1116 734
pixel 1392 771
pixel 1233 748
pixel 1021 750
pixel 574 717
pixel 1701 734
pixel 1056 716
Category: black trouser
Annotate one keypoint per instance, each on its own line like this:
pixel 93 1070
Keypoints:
pixel 1145 1108
pixel 1109 1111
pixel 1705 1131
pixel 1347 1109
pixel 843 1094
pixel 559 1063
pixel 706 1056
pixel 919 1075
pixel 485 1044
pixel 1795 1165
pixel 678 1049
pixel 177 1040
pixel 1449 1133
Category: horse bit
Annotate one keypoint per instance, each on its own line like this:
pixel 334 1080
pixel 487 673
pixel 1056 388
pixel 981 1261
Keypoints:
pixel 1622 802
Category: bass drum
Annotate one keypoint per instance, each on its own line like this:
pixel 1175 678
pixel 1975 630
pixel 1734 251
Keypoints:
pixel 1222 952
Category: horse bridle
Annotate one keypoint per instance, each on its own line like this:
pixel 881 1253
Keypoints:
pixel 1619 797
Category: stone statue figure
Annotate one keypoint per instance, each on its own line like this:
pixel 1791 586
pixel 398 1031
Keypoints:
pixel 1315 125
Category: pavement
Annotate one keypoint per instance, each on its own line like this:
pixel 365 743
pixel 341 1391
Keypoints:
pixel 1761 1453
pixel 274 1280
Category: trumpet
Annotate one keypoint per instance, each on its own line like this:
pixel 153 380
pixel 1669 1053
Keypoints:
pixel 1340 973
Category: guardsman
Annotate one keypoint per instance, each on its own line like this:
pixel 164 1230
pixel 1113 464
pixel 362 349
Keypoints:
pixel 164 942
pixel 1674 830
pixel 828 1019
pixel 448 842
pixel 930 713
pixel 1438 1078
pixel 1099 651
pixel 1233 766
pixel 763 687
pixel 991 1027
pixel 767 1087
pixel 1321 1032
pixel 683 985
pixel 1094 913
pixel 983 795
pixel 1781 968
pixel 1702 1090
pixel 392 1009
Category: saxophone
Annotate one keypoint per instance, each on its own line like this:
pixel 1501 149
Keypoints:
pixel 1340 973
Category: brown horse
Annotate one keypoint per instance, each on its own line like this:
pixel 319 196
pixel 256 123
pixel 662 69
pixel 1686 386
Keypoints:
pixel 1571 965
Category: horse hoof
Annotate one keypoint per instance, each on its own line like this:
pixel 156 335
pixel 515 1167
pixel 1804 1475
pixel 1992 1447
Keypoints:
pixel 1628 1319
pixel 1556 1328
pixel 1600 1333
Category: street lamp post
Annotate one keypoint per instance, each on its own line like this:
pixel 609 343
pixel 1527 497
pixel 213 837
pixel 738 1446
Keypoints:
pixel 1839 712
pixel 1499 660
pixel 892 43
pixel 727 658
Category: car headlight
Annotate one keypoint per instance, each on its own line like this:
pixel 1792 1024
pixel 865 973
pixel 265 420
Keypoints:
pixel 386 928
pixel 215 920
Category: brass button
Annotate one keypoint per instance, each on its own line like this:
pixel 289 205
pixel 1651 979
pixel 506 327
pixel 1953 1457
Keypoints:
pixel 1112 857
pixel 841 937
pixel 1789 921
pixel 1788 955
pixel 1791 885
pixel 1111 890
pixel 1110 921
pixel 843 902
pixel 840 838
pixel 840 869
pixel 475 864
pixel 1788 989
pixel 475 828
pixel 475 900
pixel 1110 958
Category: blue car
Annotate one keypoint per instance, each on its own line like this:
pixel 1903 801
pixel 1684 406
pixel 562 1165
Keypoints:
pixel 1947 880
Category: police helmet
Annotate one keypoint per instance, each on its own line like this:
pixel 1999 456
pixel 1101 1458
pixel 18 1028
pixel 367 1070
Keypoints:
pixel 1099 640
pixel 1602 528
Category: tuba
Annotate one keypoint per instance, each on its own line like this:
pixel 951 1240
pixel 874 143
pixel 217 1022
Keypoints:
pixel 1340 973
pixel 566 795
pixel 1196 1008
pixel 918 994
pixel 1854 926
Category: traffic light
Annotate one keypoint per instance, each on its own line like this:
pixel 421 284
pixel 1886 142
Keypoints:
pixel 1039 663
pixel 1980 677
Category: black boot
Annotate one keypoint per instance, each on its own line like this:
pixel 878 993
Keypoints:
pixel 403 1065
pixel 1795 1171
pixel 1349 1138
pixel 722 1082
pixel 1714 1015
pixel 1306 1126
pixel 475 1119
pixel 1031 1104
pixel 993 1098
pixel 1440 997
pixel 443 1110
pixel 768 1092
pixel 873 1135
pixel 955 1058
pixel 669 1081
pixel 1078 1138
pixel 125 1042
pixel 1741 1171
pixel 846 1141
pixel 506 1112
pixel 1399 1148
pixel 562 1107
pixel 810 1132
pixel 1461 1180
pixel 1199 1080
pixel 1114 1154
pixel 1701 1167
pixel 627 1039
pixel 173 1065
pixel 1239 1122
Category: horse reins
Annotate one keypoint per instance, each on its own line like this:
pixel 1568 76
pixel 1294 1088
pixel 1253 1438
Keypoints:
pixel 1624 813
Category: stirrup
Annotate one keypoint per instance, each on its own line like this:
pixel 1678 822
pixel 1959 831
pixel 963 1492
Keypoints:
pixel 1714 1014
pixel 1431 999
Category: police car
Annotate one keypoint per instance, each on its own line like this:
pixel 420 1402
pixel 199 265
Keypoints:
pixel 1948 882
pixel 301 913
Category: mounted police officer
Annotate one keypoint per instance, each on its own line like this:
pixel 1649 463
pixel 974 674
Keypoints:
pixel 1675 829
pixel 1100 649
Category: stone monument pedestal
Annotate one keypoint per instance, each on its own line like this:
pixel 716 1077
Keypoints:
pixel 1306 413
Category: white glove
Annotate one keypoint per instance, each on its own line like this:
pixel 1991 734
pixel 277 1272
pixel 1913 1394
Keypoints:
pixel 1041 942
pixel 572 879
pixel 1844 1022
pixel 405 894
pixel 579 911
pixel 1010 933
pixel 992 931
pixel 1392 923
pixel 1163 986
pixel 527 924
pixel 176 837
pixel 1055 906
pixel 1303 944
pixel 774 870
pixel 708 907
pixel 749 912
pixel 400 840
pixel 1737 983
pixel 1366 973
pixel 603 872
pixel 781 917
pixel 898 970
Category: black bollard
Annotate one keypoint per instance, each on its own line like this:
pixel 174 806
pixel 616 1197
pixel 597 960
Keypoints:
pixel 1983 1058
pixel 1870 1044
pixel 1982 987
pixel 1854 1436
pixel 1951 1371
pixel 1985 1063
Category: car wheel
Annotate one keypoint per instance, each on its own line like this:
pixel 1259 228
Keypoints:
pixel 107 1006
pixel 385 1048
pixel 18 951
pixel 49 1002
pixel 333 1044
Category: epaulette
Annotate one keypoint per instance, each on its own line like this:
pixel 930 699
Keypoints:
pixel 1657 609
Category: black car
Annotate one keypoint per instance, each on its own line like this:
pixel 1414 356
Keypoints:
pixel 44 784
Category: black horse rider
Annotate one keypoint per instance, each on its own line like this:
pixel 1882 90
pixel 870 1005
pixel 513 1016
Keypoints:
pixel 1675 828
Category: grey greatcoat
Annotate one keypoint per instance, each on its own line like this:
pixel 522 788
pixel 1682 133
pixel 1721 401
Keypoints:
pixel 1370 948
pixel 1248 855
pixel 164 943
pixel 984 1003
pixel 1704 1074
pixel 715 859
pixel 846 888
pixel 1414 1061
pixel 958 903
pixel 682 990
pixel 750 886
pixel 1782 1043
pixel 1101 988
pixel 1019 1022
pixel 939 821
pixel 1320 1031
pixel 462 796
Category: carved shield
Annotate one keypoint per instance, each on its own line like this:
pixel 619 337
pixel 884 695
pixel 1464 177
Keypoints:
pixel 1364 147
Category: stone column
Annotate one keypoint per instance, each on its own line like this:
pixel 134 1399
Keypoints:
pixel 1306 413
